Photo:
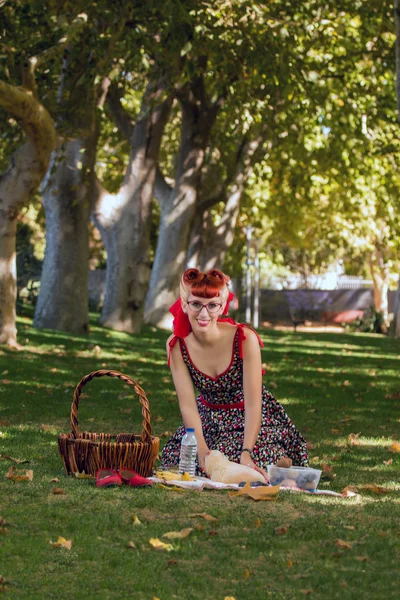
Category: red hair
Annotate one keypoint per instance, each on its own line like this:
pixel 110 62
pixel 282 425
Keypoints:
pixel 204 285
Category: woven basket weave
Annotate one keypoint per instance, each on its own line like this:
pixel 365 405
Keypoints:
pixel 85 452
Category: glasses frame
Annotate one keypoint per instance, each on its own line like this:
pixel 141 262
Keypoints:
pixel 198 310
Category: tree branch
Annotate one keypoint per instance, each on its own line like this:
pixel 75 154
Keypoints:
pixel 33 117
pixel 120 116
pixel 162 189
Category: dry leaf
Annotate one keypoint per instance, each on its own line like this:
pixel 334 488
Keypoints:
pixel 62 543
pixel 178 535
pixel 54 480
pixel 58 491
pixel 326 468
pixel 44 427
pixel 6 381
pixel 18 461
pixel 204 516
pixel 263 492
pixel 289 563
pixel 229 598
pixel 306 592
pixel 377 489
pixel 159 545
pixel 346 383
pixel 131 545
pixel 395 447
pixel 83 475
pixel 257 523
pixel 388 462
pixel 16 476
pixel 349 490
pixel 281 530
pixel 136 520
pixel 349 527
pixel 245 574
pixel 159 419
pixel 353 438
pixel 361 558
pixel 336 431
pixel 343 544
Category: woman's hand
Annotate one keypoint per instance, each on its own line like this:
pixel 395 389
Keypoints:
pixel 247 461
pixel 202 452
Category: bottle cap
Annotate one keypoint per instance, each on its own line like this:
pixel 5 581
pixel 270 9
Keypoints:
pixel 190 429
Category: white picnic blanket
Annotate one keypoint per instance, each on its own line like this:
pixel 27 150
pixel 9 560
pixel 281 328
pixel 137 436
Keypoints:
pixel 201 483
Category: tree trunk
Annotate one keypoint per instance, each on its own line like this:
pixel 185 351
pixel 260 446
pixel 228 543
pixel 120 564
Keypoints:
pixel 210 242
pixel 124 220
pixel 63 297
pixel 178 206
pixel 395 326
pixel 380 278
pixel 17 186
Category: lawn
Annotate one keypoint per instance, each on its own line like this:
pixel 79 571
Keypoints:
pixel 332 386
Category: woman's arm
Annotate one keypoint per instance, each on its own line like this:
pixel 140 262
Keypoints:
pixel 252 383
pixel 187 401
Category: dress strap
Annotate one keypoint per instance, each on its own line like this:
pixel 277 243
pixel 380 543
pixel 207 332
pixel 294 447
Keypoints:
pixel 242 336
pixel 171 344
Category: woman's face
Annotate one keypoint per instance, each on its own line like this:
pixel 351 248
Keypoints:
pixel 203 312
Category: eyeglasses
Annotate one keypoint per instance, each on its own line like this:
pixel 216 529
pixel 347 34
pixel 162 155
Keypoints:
pixel 211 307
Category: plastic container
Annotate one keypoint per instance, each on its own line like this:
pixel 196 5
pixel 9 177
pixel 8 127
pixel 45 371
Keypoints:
pixel 187 459
pixel 304 478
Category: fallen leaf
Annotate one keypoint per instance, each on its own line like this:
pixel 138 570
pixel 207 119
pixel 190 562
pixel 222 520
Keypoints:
pixel 165 434
pixel 131 545
pixel 136 520
pixel 159 419
pixel 343 544
pixel 178 535
pixel 377 489
pixel 326 468
pixel 257 523
pixel 362 558
pixel 83 475
pixel 18 461
pixel 353 438
pixel 62 543
pixel 54 480
pixel 204 516
pixel 281 530
pixel 336 431
pixel 349 490
pixel 172 562
pixel 263 492
pixel 16 476
pixel 289 563
pixel 349 527
pixel 306 592
pixel 229 598
pixel 159 545
pixel 44 427
pixel 245 574
pixel 6 381
pixel 388 462
pixel 58 491
pixel 346 383
pixel 395 447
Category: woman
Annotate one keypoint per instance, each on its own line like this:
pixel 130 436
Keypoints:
pixel 234 412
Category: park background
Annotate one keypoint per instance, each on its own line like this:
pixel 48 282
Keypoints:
pixel 138 138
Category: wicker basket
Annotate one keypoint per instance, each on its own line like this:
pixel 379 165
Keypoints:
pixel 87 452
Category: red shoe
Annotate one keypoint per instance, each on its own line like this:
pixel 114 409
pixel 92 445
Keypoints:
pixel 107 477
pixel 130 477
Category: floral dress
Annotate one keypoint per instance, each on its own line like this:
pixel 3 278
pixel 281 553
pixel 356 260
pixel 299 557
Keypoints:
pixel 221 409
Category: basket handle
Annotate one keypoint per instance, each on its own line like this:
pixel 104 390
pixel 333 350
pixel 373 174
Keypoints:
pixel 146 433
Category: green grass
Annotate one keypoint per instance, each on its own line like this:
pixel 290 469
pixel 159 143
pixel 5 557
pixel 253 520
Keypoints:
pixel 330 384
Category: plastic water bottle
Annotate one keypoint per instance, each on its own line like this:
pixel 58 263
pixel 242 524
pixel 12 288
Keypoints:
pixel 187 459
